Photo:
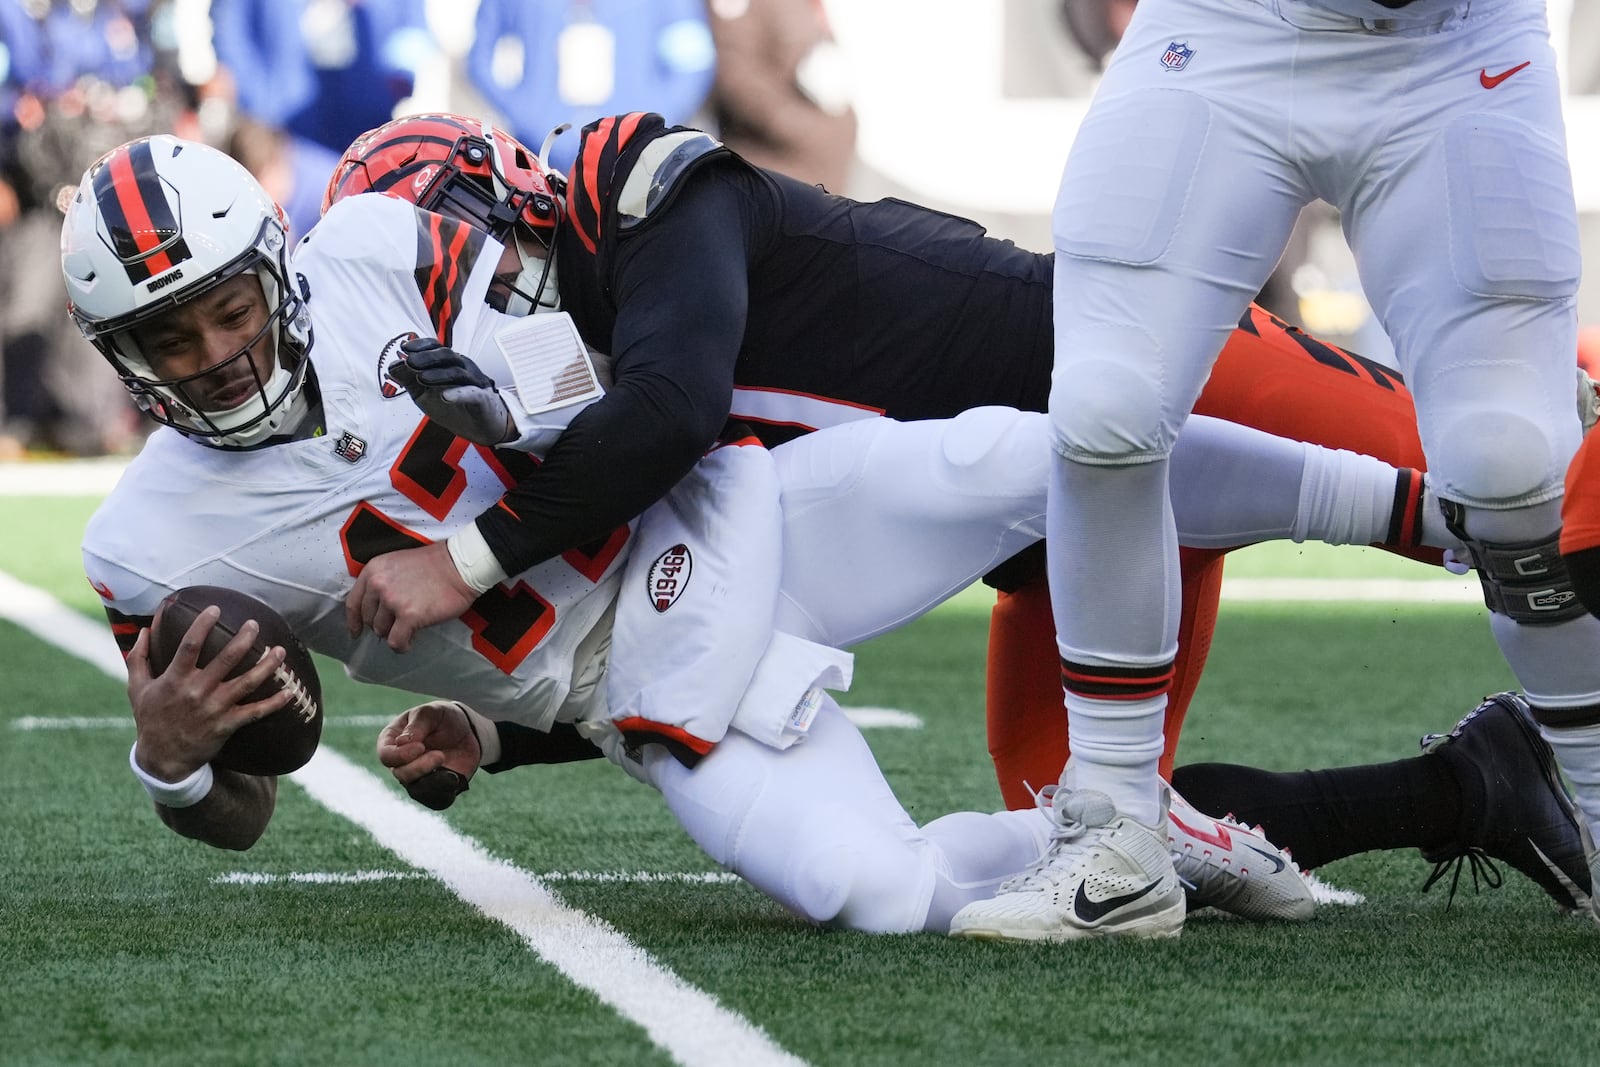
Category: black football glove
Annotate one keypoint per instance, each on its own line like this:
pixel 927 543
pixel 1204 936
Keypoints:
pixel 438 788
pixel 452 391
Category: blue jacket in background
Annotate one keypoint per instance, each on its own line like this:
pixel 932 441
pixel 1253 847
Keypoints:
pixel 664 61
pixel 328 87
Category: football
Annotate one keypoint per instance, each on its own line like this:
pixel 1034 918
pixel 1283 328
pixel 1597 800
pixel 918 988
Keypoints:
pixel 283 741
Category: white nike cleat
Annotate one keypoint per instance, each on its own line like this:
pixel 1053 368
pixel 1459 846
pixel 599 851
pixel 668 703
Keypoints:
pixel 1103 875
pixel 1234 868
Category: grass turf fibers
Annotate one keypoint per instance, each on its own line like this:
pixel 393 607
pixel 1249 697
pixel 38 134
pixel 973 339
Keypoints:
pixel 120 945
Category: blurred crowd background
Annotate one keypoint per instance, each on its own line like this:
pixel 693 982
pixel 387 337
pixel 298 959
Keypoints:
pixel 964 105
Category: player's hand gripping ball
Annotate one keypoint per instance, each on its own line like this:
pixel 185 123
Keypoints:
pixel 283 741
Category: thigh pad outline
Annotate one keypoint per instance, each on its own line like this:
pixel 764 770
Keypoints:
pixel 1513 225
pixel 1129 177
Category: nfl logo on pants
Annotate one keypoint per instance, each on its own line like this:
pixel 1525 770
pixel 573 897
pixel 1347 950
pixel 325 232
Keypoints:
pixel 1177 55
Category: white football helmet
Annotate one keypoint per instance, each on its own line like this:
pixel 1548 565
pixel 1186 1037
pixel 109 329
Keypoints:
pixel 157 222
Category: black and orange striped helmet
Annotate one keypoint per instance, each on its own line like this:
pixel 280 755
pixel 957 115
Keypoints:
pixel 158 222
pixel 466 169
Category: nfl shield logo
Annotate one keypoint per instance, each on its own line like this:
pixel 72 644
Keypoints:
pixel 350 447
pixel 1177 55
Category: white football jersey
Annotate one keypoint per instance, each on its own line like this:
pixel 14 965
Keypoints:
pixel 293 523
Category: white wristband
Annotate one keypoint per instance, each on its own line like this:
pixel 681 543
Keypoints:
pixel 474 560
pixel 184 794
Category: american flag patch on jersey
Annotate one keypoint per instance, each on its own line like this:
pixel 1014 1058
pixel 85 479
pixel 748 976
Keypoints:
pixel 1177 55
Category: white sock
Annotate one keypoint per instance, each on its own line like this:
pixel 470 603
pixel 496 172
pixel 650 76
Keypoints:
pixel 1345 498
pixel 1116 749
pixel 1578 753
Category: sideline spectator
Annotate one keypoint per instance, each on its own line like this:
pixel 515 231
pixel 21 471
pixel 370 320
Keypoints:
pixel 781 97
pixel 541 63
pixel 80 79
pixel 326 70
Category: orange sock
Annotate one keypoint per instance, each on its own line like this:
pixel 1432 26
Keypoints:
pixel 1026 720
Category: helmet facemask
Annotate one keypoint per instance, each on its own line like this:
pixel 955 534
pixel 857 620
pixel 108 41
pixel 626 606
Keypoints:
pixel 484 178
pixel 459 192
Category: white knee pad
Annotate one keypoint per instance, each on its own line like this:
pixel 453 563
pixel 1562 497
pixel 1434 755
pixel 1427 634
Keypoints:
pixel 879 887
pixel 1111 409
pixel 1495 459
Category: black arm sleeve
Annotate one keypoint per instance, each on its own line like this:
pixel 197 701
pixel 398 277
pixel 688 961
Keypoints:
pixel 681 288
pixel 522 745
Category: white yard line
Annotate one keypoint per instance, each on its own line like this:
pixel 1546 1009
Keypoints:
pixel 687 1023
pixel 248 878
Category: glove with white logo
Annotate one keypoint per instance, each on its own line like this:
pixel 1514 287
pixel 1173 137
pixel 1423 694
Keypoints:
pixel 1588 400
pixel 452 391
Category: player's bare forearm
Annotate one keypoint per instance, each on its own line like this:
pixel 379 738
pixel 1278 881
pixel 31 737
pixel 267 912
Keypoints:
pixel 232 816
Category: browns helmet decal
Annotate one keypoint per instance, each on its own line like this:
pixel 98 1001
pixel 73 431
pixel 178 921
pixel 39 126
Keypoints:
pixel 140 222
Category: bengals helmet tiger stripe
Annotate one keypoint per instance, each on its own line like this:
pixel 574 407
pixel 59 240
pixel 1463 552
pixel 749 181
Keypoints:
pixel 468 170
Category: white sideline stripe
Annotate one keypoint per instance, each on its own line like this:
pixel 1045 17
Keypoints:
pixel 61 477
pixel 73 722
pixel 316 877
pixel 884 718
pixel 866 718
pixel 46 617
pixel 576 877
pixel 684 1021
pixel 687 1023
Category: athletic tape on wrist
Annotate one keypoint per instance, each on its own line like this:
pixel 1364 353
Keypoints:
pixel 474 559
pixel 181 794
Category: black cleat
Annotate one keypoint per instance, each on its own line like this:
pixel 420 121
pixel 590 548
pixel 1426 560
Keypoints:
pixel 1514 807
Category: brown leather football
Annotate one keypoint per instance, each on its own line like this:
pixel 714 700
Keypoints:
pixel 283 741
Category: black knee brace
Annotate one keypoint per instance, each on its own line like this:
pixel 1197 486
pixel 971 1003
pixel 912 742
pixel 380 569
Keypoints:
pixel 1526 581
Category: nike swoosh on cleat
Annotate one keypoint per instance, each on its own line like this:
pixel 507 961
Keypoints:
pixel 1277 861
pixel 1218 837
pixel 1580 898
pixel 1092 911
pixel 1489 81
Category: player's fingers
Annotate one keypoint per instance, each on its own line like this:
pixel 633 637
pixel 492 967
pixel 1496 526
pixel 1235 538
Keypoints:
pixel 398 727
pixel 400 634
pixel 138 661
pixel 400 753
pixel 237 651
pixel 256 710
pixel 259 674
pixel 352 605
pixel 382 621
pixel 407 773
pixel 194 638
